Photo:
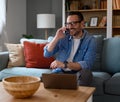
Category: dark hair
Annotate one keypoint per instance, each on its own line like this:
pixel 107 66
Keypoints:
pixel 79 14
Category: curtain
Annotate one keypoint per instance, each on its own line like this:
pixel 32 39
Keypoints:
pixel 2 21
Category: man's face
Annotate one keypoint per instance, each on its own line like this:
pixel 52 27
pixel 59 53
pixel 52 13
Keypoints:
pixel 74 25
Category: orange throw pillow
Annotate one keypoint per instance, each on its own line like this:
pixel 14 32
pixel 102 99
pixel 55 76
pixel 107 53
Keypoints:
pixel 34 57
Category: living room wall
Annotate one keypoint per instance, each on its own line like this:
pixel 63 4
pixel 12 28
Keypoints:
pixel 35 7
pixel 21 19
pixel 15 22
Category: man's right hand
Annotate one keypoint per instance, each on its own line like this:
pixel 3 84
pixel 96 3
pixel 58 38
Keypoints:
pixel 59 35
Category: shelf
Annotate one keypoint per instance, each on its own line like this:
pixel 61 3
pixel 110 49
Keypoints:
pixel 116 27
pixel 116 9
pixel 116 12
pixel 116 22
pixel 90 10
pixel 95 27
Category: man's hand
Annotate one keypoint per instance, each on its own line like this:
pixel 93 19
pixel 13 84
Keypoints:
pixel 57 64
pixel 59 33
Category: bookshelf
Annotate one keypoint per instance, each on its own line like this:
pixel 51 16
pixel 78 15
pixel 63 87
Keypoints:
pixel 116 17
pixel 108 16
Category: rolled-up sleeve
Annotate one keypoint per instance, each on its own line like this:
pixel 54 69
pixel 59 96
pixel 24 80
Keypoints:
pixel 47 53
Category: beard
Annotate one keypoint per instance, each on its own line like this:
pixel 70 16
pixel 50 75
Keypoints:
pixel 74 32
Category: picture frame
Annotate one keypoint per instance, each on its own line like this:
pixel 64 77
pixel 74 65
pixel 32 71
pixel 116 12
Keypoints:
pixel 93 21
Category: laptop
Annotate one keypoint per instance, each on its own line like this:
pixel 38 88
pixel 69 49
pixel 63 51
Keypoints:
pixel 59 81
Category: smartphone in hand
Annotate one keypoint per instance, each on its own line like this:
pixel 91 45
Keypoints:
pixel 67 31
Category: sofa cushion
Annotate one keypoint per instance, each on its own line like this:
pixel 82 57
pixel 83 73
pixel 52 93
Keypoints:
pixel 99 79
pixel 99 46
pixel 18 71
pixel 39 41
pixel 16 55
pixel 111 55
pixel 112 86
pixel 4 57
pixel 34 55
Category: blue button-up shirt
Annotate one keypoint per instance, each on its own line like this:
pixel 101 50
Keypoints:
pixel 85 54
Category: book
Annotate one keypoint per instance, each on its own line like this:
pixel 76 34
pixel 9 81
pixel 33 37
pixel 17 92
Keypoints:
pixel 98 4
pixel 117 20
pixel 117 4
pixel 74 5
pixel 103 4
pixel 114 4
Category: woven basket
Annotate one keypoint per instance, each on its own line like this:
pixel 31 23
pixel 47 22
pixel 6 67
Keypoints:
pixel 21 86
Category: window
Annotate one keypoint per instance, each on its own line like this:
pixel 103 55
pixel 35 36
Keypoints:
pixel 2 20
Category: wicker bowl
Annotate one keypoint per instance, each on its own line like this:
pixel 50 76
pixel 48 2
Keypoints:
pixel 21 86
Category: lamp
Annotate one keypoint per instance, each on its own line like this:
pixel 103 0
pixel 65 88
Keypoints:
pixel 46 21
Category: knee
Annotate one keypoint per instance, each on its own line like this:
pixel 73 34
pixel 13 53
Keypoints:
pixel 85 77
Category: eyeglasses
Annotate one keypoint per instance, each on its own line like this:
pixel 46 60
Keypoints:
pixel 72 23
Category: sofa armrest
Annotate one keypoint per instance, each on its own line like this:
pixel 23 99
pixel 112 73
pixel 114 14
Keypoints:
pixel 4 57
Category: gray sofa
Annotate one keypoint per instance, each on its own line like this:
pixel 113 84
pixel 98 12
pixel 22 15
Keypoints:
pixel 106 70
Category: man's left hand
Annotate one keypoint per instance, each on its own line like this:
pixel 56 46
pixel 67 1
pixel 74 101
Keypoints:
pixel 57 64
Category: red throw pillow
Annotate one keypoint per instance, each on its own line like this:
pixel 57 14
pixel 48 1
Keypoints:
pixel 34 55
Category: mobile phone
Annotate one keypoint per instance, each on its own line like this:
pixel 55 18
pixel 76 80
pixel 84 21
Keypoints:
pixel 67 31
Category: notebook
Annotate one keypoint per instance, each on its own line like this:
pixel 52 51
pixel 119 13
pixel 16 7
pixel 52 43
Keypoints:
pixel 59 81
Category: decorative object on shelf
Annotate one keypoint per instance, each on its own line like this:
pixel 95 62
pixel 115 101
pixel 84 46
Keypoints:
pixel 93 21
pixel 67 5
pixel 46 21
pixel 93 4
pixel 27 36
pixel 103 21
pixel 86 24
pixel 85 7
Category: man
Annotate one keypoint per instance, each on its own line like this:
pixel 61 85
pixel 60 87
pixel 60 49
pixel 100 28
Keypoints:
pixel 75 49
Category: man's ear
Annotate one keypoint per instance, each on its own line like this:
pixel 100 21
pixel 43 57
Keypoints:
pixel 82 24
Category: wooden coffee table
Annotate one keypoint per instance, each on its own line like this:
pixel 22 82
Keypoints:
pixel 82 94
